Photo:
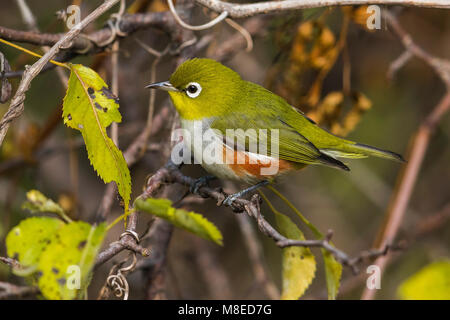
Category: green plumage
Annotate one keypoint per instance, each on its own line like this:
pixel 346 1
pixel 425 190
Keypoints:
pixel 300 139
pixel 230 103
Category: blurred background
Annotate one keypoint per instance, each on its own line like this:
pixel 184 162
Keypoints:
pixel 323 61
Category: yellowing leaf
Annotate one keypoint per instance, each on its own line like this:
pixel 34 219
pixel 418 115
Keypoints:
pixel 190 221
pixel 333 273
pixel 28 240
pixel 333 269
pixel 37 202
pixel 60 256
pixel 90 108
pixel 299 265
pixel 65 264
pixel 431 283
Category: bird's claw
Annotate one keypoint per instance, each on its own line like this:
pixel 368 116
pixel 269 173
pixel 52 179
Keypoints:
pixel 199 183
pixel 229 200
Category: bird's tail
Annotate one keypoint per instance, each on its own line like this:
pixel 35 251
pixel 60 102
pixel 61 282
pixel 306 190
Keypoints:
pixel 359 150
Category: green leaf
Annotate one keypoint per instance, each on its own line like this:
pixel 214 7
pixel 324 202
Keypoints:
pixel 299 265
pixel 28 240
pixel 90 107
pixel 431 283
pixel 37 202
pixel 190 221
pixel 333 273
pixel 55 253
pixel 65 265
pixel 333 269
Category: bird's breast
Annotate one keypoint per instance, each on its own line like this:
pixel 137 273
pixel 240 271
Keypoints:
pixel 208 149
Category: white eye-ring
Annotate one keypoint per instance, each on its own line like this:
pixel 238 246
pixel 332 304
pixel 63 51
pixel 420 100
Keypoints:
pixel 193 89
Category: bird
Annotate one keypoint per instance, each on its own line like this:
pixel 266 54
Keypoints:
pixel 253 135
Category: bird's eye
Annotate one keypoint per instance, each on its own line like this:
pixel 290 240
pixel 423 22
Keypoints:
pixel 193 89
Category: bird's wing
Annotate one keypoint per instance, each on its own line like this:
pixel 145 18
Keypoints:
pixel 281 140
pixel 259 108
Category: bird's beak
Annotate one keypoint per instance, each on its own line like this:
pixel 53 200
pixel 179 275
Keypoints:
pixel 165 85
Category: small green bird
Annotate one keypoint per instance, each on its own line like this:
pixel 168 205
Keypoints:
pixel 206 92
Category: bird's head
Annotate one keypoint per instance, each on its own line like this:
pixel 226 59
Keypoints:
pixel 202 88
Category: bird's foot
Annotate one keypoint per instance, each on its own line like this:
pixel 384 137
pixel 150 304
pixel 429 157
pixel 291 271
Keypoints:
pixel 229 200
pixel 201 182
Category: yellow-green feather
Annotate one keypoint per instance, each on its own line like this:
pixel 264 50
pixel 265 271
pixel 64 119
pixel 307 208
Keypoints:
pixel 231 103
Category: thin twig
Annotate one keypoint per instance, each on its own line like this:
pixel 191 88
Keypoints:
pixel 406 183
pixel 115 88
pixel 247 36
pixel 258 262
pixel 12 291
pixel 13 263
pixel 398 63
pixel 30 21
pixel 17 103
pixel 440 66
pixel 127 241
pixel 205 26
pixel 419 143
pixel 170 173
pixel 236 10
pixel 254 26
pixel 87 44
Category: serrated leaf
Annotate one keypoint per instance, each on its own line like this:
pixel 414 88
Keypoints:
pixel 90 107
pixel 299 265
pixel 28 240
pixel 190 221
pixel 430 283
pixel 333 268
pixel 65 264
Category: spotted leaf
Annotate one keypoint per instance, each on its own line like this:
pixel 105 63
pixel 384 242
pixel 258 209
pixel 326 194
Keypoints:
pixel 65 265
pixel 299 265
pixel 28 240
pixel 90 107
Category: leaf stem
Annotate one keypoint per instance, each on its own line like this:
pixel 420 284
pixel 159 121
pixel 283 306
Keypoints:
pixel 119 218
pixel 32 53
pixel 299 214
pixel 65 217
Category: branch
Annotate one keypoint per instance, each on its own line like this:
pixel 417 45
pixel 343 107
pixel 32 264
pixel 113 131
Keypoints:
pixel 91 43
pixel 406 182
pixel 13 263
pixel 11 291
pixel 432 222
pixel 419 145
pixel 255 26
pixel 17 103
pixel 132 155
pixel 440 66
pixel 126 241
pixel 171 173
pixel 235 10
